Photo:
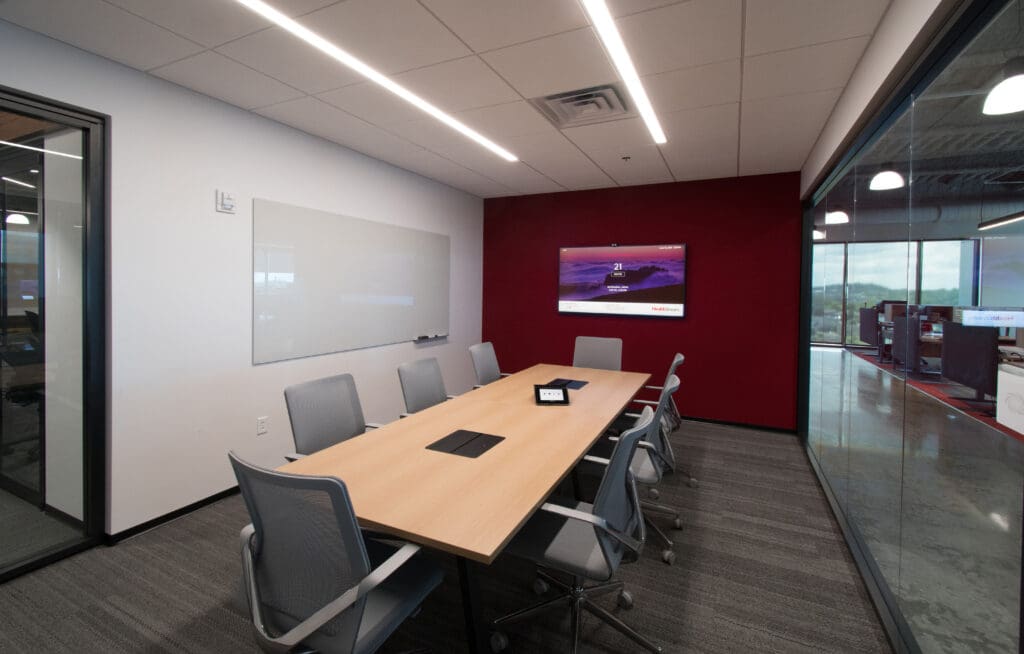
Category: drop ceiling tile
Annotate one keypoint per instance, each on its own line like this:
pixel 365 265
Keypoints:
pixel 602 136
pixel 632 165
pixel 683 35
pixel 220 77
pixel 559 160
pixel 490 25
pixel 801 70
pixel 689 88
pixel 505 120
pixel 464 83
pixel 621 8
pixel 211 23
pixel 442 170
pixel 100 28
pixel 373 104
pixel 784 24
pixel 389 35
pixel 321 119
pixel 565 62
pixel 284 57
pixel 702 143
pixel 777 133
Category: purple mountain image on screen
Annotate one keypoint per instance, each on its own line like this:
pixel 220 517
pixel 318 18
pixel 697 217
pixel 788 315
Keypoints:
pixel 599 280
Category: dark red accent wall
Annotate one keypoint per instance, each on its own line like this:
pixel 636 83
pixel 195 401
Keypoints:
pixel 742 297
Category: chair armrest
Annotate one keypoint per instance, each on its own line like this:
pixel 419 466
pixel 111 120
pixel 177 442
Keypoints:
pixel 403 415
pixel 655 388
pixel 476 386
pixel 294 456
pixel 505 374
pixel 596 459
pixel 373 425
pixel 597 521
pixel 450 397
pixel 329 611
pixel 632 415
pixel 647 402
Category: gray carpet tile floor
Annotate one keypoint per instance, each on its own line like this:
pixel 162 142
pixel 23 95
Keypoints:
pixel 26 530
pixel 761 566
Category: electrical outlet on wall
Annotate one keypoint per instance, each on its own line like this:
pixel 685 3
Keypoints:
pixel 261 425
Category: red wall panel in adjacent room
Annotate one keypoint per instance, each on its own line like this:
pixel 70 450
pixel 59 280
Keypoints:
pixel 742 287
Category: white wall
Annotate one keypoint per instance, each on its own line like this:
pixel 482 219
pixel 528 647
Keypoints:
pixel 62 247
pixel 902 35
pixel 183 390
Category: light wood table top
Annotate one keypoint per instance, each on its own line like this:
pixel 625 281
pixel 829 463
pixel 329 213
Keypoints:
pixel 465 506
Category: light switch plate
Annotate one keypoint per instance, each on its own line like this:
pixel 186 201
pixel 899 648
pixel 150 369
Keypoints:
pixel 225 202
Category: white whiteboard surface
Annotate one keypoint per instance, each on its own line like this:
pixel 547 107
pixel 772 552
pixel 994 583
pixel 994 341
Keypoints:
pixel 325 283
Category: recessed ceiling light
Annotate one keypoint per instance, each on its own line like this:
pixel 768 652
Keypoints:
pixel 886 180
pixel 19 183
pixel 999 222
pixel 44 151
pixel 602 20
pixel 1007 97
pixel 836 218
pixel 34 171
pixel 342 57
pixel 16 219
pixel 818 235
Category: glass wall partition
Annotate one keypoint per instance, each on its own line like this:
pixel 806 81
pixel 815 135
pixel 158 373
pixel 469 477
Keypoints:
pixel 916 397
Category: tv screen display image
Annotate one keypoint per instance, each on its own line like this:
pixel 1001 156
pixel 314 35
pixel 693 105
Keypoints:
pixel 630 280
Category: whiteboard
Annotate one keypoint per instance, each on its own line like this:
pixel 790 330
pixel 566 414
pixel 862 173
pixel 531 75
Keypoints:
pixel 326 283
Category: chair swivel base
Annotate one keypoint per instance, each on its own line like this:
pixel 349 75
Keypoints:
pixel 667 555
pixel 578 597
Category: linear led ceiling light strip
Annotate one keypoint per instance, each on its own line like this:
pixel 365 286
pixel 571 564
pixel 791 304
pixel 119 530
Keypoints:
pixel 603 22
pixel 339 55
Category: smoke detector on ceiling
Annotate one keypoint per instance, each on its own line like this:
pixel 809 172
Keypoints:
pixel 597 104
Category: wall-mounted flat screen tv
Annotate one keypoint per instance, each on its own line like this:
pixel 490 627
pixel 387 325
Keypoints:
pixel 629 280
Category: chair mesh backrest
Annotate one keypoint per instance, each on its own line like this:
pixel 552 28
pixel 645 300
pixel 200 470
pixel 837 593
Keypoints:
pixel 616 499
pixel 485 363
pixel 657 434
pixel 596 352
pixel 422 384
pixel 324 412
pixel 308 550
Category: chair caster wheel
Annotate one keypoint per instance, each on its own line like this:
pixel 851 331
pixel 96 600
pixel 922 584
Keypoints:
pixel 692 483
pixel 540 586
pixel 677 523
pixel 625 600
pixel 668 556
pixel 653 493
pixel 499 642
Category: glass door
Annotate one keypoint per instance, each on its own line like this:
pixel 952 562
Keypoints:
pixel 47 482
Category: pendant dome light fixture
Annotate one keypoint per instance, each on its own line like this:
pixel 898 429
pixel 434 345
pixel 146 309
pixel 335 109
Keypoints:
pixel 1007 97
pixel 886 179
pixel 837 217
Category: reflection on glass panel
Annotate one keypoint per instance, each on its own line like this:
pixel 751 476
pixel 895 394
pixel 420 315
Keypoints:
pixel 876 273
pixel 827 293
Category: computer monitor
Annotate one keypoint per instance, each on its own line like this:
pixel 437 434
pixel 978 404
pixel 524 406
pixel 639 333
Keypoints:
pixel 970 356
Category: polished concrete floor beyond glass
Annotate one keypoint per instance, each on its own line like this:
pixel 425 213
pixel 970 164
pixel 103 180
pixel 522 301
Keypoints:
pixel 935 495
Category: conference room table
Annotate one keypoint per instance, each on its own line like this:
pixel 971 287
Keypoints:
pixel 472 507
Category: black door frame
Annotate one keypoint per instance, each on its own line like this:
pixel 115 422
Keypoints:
pixel 95 128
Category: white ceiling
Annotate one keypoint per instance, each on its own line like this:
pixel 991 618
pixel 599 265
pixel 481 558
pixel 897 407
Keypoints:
pixel 741 87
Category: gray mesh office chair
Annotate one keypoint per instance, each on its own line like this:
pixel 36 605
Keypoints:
pixel 596 352
pixel 422 384
pixel 310 578
pixel 653 458
pixel 485 363
pixel 587 542
pixel 324 412
pixel 672 415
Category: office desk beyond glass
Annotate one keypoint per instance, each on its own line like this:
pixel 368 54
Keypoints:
pixel 472 507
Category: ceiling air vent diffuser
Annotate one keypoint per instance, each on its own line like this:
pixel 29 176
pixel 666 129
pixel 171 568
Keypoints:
pixel 597 104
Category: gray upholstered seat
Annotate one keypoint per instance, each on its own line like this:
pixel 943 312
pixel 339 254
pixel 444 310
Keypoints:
pixel 597 352
pixel 588 542
pixel 422 384
pixel 324 412
pixel 310 579
pixel 485 363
